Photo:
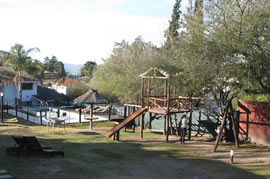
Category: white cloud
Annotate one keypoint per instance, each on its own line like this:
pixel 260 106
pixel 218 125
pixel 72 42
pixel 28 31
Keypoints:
pixel 74 31
pixel 171 2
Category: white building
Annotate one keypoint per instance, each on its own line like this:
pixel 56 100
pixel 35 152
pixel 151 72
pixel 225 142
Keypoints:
pixel 60 88
pixel 11 92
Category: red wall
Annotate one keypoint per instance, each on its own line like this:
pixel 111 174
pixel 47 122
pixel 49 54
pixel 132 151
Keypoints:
pixel 254 120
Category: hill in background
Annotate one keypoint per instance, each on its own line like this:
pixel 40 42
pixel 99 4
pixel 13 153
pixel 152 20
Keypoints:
pixel 73 69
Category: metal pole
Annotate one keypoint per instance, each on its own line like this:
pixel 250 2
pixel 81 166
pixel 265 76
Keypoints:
pixel 2 112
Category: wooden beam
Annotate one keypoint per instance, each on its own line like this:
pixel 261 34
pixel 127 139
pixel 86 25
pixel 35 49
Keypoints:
pixel 190 119
pixel 168 112
pixel 142 93
pixel 222 124
pixel 170 119
pixel 165 123
pixel 176 128
pixel 234 127
pixel 167 127
pixel 142 125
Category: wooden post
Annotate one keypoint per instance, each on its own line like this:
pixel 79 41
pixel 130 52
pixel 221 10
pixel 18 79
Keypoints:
pixel 125 116
pixel 165 91
pixel 171 126
pixel 148 92
pixel 150 120
pixel 168 113
pixel 165 124
pixel 199 123
pixel 222 124
pixel 110 109
pixel 142 125
pixel 118 135
pixel 176 128
pixel 142 104
pixel 16 108
pixel 142 93
pixel 190 119
pixel 40 112
pixel 80 113
pixel 27 114
pixel 174 94
pixel 167 127
pixel 92 110
pixel 234 127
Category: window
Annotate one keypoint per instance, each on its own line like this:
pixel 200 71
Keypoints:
pixel 27 86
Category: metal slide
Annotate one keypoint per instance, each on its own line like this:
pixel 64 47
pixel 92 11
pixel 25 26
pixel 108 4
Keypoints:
pixel 125 122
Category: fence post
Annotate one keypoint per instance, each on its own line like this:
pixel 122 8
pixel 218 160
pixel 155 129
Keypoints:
pixel 109 114
pixel 27 114
pixel 7 107
pixel 125 116
pixel 80 114
pixel 40 117
pixel 16 108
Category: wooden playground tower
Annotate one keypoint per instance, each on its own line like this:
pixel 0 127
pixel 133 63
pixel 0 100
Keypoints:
pixel 165 105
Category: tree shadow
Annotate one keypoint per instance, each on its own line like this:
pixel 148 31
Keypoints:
pixel 101 158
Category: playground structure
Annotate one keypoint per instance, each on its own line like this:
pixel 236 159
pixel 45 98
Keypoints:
pixel 157 104
pixel 167 106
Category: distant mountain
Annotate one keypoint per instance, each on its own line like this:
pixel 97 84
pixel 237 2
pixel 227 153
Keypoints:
pixel 73 69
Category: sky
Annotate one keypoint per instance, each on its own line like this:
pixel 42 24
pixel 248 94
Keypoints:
pixel 76 31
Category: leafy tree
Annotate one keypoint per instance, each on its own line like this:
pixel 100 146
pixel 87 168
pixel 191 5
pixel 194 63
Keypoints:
pixel 34 68
pixel 49 63
pixel 60 69
pixel 230 52
pixel 172 34
pixel 88 69
pixel 119 75
pixel 19 59
pixel 54 66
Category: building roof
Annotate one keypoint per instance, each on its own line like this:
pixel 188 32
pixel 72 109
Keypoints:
pixel 46 94
pixel 91 97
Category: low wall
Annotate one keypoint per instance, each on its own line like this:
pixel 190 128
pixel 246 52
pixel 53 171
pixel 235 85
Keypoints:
pixel 254 122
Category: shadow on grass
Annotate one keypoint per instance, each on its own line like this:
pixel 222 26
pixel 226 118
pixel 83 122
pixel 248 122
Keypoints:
pixel 90 155
pixel 88 133
pixel 121 159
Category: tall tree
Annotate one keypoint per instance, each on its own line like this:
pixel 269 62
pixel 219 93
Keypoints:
pixel 54 66
pixel 34 68
pixel 18 58
pixel 88 69
pixel 172 34
pixel 119 75
pixel 59 69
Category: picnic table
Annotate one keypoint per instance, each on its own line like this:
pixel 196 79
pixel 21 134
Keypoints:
pixel 90 118
pixel 55 120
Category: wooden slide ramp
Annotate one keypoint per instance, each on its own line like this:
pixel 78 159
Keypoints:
pixel 125 122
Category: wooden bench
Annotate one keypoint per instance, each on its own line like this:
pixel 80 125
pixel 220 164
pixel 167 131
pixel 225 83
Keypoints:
pixel 90 121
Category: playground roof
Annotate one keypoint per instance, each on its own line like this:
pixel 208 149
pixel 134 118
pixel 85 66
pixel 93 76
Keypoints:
pixel 91 97
pixel 154 72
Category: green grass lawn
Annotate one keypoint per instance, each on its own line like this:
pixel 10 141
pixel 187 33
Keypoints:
pixel 88 154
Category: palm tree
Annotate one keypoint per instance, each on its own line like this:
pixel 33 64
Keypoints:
pixel 18 58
